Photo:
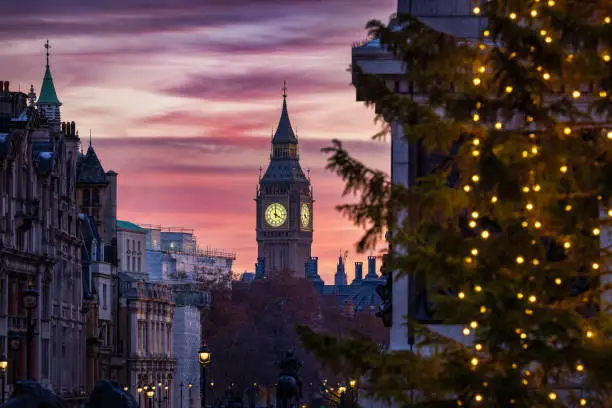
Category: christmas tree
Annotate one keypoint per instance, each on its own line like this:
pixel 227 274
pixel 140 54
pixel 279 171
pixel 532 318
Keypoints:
pixel 509 226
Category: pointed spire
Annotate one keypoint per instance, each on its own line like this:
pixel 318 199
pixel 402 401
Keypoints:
pixel 284 132
pixel 90 138
pixel 48 95
pixel 32 96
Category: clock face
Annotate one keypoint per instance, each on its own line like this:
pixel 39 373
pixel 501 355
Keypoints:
pixel 305 215
pixel 276 215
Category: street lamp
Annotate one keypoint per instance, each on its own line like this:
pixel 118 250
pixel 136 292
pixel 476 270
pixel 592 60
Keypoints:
pixel 29 297
pixel 166 396
pixel 125 389
pixel 212 387
pixel 139 391
pixel 204 358
pixel 190 400
pixel 3 366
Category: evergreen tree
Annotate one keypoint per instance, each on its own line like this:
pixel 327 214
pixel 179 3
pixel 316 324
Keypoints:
pixel 509 226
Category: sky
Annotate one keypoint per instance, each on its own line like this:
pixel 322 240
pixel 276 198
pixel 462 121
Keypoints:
pixel 182 96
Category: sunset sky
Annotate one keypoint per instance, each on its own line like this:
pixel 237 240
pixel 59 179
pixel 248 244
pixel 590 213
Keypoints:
pixel 181 97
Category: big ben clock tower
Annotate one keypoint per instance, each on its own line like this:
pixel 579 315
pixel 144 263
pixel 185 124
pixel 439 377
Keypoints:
pixel 284 205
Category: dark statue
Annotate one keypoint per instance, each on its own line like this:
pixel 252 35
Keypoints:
pixel 385 292
pixel 289 387
pixel 30 394
pixel 110 394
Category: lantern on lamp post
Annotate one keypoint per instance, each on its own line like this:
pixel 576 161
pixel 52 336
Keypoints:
pixel 3 367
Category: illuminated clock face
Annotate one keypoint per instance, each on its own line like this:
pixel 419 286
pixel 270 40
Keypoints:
pixel 276 215
pixel 305 215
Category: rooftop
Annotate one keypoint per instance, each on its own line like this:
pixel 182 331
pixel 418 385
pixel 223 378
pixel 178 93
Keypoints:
pixel 130 226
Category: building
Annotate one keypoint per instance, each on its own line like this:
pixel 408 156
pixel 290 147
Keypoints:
pixel 131 249
pixel 186 335
pixel 358 296
pixel 408 161
pixel 173 257
pixel 96 192
pixel 145 329
pixel 40 243
pixel 284 205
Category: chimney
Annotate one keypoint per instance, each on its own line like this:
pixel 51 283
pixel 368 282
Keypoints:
pixel 72 128
pixel 358 271
pixel 6 86
pixel 371 267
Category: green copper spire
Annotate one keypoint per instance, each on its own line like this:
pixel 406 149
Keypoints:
pixel 47 91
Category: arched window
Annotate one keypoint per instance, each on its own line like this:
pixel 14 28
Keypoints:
pixel 86 198
pixel 95 197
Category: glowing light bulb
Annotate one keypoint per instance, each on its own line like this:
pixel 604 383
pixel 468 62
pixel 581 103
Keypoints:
pixel 509 89
pixel 461 295
pixel 475 252
pixel 478 347
pixel 590 334
pixel 482 69
pixel 474 361
pixel 537 224
pixel 534 13
pixel 528 312
pixel 524 224
pixel 474 324
pixel 520 260
pixel 476 117
pixel 563 169
pixel 468 260
pixel 476 10
pixel 567 130
pixel 525 154
pixel 532 299
pixel 576 94
pixel 568 207
pixel 607 20
pixel 534 150
pixel 512 16
pixel 532 135
pixel 558 281
pixel 546 76
pixel 567 245
pixel 478 397
pixel 475 214
pixel 603 94
pixel 498 125
pixel 523 336
pixel 475 178
pixel 596 231
pixel 483 309
pixel 467 188
pixel 535 261
pixel 548 39
pixel 537 188
pixel 484 234
pixel 606 57
pixel 583 402
pixel 595 265
pixel 494 199
pixel 476 81
pixel 552 396
pixel 609 135
pixel 525 189
pixel 609 213
pixel 472 224
pixel 476 153
pixel 579 367
pixel 520 295
pixel 529 206
pixel 543 32
pixel 486 33
pixel 551 3
pixel 466 332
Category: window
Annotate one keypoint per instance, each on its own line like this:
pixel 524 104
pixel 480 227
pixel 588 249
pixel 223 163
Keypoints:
pixel 127 242
pixel 95 197
pixel 86 198
pixel 139 246
pixel 133 245
pixel 104 295
pixel 128 263
pixel 139 267
pixel 134 264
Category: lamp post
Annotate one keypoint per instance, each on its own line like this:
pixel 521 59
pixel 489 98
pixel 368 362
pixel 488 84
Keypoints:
pixel 139 391
pixel 212 388
pixel 3 366
pixel 190 386
pixel 166 396
pixel 29 298
pixel 204 359
pixel 159 396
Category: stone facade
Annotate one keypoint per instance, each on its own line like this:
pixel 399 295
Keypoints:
pixel 145 327
pixel 40 244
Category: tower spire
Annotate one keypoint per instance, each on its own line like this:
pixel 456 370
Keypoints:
pixel 47 46
pixel 284 89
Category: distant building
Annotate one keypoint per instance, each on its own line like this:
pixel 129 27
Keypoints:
pixel 145 325
pixel 358 296
pixel 173 257
pixel 186 334
pixel 131 249
pixel 284 205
